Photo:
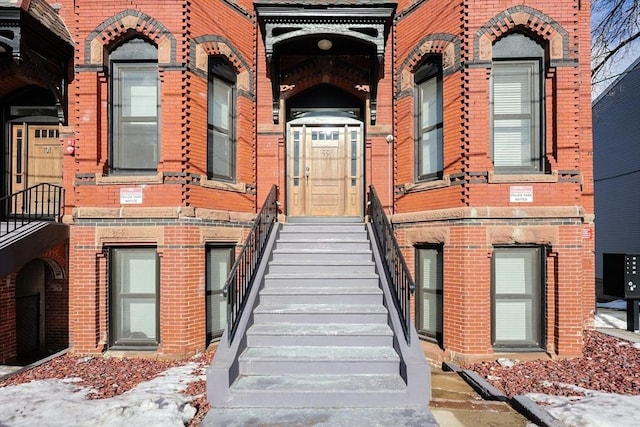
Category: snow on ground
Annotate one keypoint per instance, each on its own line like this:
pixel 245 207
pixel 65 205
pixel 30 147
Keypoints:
pixel 594 409
pixel 54 402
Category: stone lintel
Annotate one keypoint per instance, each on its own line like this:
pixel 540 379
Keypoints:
pixel 129 235
pixel 221 234
pixel 431 235
pixel 505 235
pixel 488 212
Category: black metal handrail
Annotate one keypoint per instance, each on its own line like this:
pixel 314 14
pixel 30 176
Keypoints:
pixel 240 280
pixel 42 201
pixel 398 275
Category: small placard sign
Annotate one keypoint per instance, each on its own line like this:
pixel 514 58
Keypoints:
pixel 131 196
pixel 521 193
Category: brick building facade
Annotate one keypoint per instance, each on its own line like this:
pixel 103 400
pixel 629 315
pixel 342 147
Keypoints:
pixel 471 119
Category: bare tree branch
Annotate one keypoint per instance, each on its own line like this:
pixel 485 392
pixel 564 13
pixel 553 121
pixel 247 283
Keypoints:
pixel 615 26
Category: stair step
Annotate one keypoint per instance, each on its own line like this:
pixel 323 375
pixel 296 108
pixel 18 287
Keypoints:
pixel 323 228
pixel 322 242
pixel 319 266
pixel 327 416
pixel 328 279
pixel 320 313
pixel 277 294
pixel 310 334
pixel 319 391
pixel 307 254
pixel 291 360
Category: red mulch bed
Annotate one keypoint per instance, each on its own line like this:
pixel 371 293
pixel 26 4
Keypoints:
pixel 608 364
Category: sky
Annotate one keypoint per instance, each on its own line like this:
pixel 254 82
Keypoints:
pixel 160 403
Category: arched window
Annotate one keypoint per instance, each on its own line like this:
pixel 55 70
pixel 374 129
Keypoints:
pixel 517 124
pixel 221 120
pixel 135 107
pixel 428 83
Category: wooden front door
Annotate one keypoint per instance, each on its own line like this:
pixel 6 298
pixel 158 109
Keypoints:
pixel 36 157
pixel 324 170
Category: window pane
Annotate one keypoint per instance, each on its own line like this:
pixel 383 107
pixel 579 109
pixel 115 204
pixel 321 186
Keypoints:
pixel 138 320
pixel 512 142
pixel 514 272
pixel 430 155
pixel 219 105
pixel 219 263
pixel 512 90
pixel 429 96
pixel 430 312
pixel 513 320
pixel 217 314
pixel 139 275
pixel 139 93
pixel 138 145
pixel 220 161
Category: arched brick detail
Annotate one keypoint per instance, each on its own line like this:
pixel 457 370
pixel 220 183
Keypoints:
pixel 346 81
pixel 529 20
pixel 57 262
pixel 204 46
pixel 446 45
pixel 107 34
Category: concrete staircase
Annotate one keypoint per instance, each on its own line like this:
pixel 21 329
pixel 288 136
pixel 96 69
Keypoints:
pixel 321 335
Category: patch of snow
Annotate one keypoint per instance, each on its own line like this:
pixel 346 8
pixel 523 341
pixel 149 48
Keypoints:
pixel 595 409
pixel 505 362
pixel 55 402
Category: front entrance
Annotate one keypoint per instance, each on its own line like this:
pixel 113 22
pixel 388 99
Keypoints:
pixel 324 167
pixel 36 157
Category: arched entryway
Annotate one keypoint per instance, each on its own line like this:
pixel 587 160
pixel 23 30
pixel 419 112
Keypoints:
pixel 41 310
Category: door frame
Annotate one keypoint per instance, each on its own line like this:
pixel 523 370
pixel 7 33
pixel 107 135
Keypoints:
pixel 326 119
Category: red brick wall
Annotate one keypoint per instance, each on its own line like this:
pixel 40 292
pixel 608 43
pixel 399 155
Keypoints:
pixel 8 318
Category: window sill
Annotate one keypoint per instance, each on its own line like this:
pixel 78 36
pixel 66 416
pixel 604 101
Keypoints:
pixel 411 187
pixel 240 187
pixel 494 178
pixel 129 179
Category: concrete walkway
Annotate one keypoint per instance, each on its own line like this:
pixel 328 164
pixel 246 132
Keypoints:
pixel 455 404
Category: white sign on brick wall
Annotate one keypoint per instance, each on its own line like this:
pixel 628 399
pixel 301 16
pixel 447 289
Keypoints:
pixel 521 193
pixel 131 196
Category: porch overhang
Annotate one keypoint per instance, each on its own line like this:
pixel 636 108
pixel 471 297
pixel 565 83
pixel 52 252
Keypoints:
pixel 297 27
pixel 35 48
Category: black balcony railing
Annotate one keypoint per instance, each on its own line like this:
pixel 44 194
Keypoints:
pixel 240 280
pixel 42 202
pixel 395 268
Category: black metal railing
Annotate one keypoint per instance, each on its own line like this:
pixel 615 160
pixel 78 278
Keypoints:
pixel 240 280
pixel 37 203
pixel 395 268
